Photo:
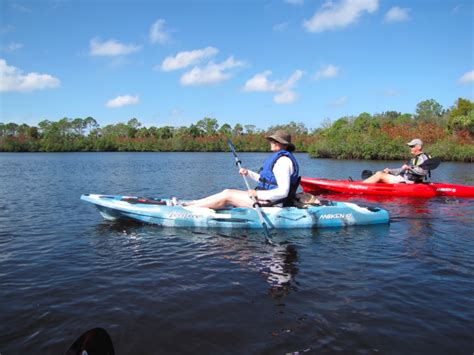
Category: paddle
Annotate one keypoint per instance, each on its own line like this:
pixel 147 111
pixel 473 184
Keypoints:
pixel 428 164
pixel 256 205
pixel 95 341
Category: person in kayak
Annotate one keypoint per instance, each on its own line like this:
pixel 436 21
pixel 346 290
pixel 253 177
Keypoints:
pixel 409 173
pixel 278 179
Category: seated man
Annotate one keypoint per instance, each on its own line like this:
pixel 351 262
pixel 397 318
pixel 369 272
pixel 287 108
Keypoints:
pixel 409 173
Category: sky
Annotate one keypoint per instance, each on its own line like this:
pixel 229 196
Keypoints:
pixel 253 62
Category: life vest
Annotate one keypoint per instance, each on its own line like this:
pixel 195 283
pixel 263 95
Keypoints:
pixel 267 179
pixel 416 161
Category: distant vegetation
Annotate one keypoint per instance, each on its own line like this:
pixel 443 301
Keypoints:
pixel 447 133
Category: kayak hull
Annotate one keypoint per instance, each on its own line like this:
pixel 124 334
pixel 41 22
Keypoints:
pixel 425 190
pixel 330 214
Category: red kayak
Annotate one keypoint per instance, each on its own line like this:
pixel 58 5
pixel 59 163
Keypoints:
pixel 427 190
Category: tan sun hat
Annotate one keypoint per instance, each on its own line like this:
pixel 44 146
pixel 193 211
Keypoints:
pixel 284 138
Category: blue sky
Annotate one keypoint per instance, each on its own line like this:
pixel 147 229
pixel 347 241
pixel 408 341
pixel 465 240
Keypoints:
pixel 258 62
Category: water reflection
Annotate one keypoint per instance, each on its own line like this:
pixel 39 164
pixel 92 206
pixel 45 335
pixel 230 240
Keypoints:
pixel 277 262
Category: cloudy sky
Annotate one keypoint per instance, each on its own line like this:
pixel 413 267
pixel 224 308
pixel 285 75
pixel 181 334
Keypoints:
pixel 239 61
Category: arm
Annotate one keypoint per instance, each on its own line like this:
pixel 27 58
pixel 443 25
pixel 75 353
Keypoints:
pixel 251 174
pixel 282 170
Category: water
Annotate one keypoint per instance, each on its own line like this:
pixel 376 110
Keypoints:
pixel 406 287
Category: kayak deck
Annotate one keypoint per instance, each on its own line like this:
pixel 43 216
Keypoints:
pixel 162 212
pixel 426 190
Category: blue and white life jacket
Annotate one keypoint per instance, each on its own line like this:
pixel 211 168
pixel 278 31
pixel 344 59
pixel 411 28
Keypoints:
pixel 267 179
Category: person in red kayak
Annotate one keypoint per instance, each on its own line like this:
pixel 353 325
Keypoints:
pixel 409 173
pixel 278 179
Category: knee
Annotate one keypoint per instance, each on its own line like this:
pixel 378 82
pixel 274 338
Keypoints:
pixel 227 193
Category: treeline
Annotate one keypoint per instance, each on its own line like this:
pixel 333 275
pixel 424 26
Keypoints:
pixel 71 135
pixel 447 133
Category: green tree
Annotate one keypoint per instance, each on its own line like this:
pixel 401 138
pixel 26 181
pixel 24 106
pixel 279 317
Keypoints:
pixel 11 129
pixel 429 111
pixel 225 130
pixel 78 125
pixel 208 126
pixel 237 130
pixel 249 129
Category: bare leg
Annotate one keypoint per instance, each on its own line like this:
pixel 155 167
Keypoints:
pixel 379 176
pixel 236 198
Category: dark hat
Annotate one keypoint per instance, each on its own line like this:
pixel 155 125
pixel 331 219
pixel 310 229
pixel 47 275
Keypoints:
pixel 284 138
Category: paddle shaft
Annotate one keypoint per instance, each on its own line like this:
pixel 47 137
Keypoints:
pixel 254 199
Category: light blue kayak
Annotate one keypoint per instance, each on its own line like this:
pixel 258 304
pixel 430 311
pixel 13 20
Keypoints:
pixel 163 213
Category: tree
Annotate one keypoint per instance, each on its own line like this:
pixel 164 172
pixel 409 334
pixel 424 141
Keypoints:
pixel 292 128
pixel 132 127
pixel 237 130
pixel 165 132
pixel 364 121
pixel 195 131
pixel 429 111
pixel 462 108
pixel 78 125
pixel 225 130
pixel 208 125
pixel 249 129
pixel 44 126
pixel 91 125
pixel 11 129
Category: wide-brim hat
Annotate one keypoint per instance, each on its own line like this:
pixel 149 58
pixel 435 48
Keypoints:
pixel 282 137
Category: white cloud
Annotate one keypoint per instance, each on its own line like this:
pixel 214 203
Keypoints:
pixel 467 78
pixel 111 48
pixel 12 79
pixel 329 71
pixel 286 97
pixel 332 16
pixel 291 82
pixel 187 58
pixel 260 82
pixel 397 14
pixel 210 74
pixel 11 47
pixel 120 101
pixel 339 102
pixel 158 33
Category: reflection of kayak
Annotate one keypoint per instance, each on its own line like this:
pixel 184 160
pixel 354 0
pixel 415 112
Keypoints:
pixel 329 214
pixel 432 189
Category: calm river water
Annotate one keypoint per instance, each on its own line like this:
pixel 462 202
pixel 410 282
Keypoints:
pixel 407 287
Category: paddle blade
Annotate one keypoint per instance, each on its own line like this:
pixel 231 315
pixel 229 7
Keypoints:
pixel 430 164
pixel 366 174
pixel 93 342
